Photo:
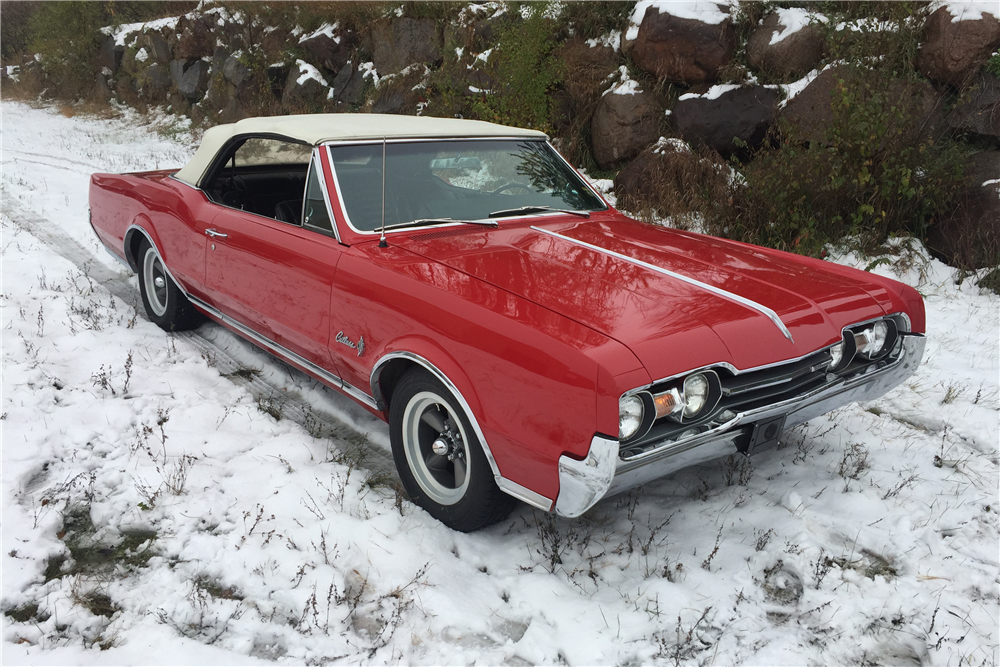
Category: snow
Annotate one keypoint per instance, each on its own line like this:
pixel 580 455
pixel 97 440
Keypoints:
pixel 141 55
pixel 674 145
pixel 968 10
pixel 328 29
pixel 793 20
pixel 368 71
pixel 307 71
pixel 870 536
pixel 122 31
pixel 715 92
pixel 625 84
pixel 698 10
pixel 612 40
pixel 794 88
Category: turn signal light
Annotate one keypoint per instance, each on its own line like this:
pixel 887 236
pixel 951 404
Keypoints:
pixel 668 403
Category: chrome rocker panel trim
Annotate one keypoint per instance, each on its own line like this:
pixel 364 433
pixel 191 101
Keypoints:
pixel 583 483
pixel 509 487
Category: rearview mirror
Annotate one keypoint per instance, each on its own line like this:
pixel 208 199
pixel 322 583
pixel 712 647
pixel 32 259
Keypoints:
pixel 457 163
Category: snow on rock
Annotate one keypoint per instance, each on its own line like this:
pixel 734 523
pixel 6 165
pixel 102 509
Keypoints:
pixel 612 40
pixel 307 72
pixel 794 20
pixel 968 10
pixel 697 10
pixel 792 89
pixel 714 93
pixel 869 535
pixel 327 29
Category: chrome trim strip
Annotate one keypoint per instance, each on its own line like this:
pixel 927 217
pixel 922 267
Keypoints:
pixel 112 253
pixel 764 310
pixel 425 139
pixel 287 354
pixel 506 485
pixel 326 195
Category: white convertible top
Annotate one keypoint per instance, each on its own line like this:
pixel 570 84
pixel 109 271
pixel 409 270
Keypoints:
pixel 316 129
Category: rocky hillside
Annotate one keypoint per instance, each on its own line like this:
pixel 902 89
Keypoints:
pixel 783 123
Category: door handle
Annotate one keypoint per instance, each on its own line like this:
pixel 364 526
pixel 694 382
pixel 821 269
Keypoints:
pixel 214 234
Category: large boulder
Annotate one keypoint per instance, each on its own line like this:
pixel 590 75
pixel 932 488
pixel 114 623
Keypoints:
pixel 786 45
pixel 726 113
pixel 969 238
pixel 684 50
pixel 329 49
pixel 155 46
pixel 586 67
pixel 623 124
pixel 955 48
pixel 400 42
pixel 194 81
pixel 154 82
pixel 235 71
pixel 348 86
pixel 978 111
pixel 811 111
pixel 305 88
pixel 194 38
pixel 671 179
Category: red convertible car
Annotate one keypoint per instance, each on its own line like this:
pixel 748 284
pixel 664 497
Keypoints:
pixel 522 338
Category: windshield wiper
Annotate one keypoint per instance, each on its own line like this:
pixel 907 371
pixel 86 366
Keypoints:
pixel 435 221
pixel 525 210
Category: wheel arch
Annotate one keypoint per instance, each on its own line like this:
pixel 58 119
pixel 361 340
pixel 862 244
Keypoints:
pixel 393 365
pixel 134 236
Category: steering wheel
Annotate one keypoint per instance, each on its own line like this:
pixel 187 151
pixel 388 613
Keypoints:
pixel 237 194
pixel 508 186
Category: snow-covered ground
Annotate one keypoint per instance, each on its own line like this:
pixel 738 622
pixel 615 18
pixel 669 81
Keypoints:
pixel 166 499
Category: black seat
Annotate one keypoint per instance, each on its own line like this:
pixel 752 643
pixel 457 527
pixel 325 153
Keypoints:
pixel 289 211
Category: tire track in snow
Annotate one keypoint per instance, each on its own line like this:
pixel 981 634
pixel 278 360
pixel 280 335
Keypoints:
pixel 229 353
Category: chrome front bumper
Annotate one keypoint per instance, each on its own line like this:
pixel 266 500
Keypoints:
pixel 603 472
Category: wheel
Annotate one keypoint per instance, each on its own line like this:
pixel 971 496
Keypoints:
pixel 439 458
pixel 166 306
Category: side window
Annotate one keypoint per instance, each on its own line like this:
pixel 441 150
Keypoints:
pixel 316 213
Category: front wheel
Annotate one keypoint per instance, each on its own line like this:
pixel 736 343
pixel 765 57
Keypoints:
pixel 166 306
pixel 439 458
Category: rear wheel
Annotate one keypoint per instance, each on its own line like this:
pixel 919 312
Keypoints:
pixel 439 458
pixel 166 306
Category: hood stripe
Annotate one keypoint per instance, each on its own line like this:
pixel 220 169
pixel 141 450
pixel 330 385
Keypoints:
pixel 764 310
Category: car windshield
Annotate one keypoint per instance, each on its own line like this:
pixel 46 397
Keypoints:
pixel 461 180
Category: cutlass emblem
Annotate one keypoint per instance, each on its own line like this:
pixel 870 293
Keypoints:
pixel 344 340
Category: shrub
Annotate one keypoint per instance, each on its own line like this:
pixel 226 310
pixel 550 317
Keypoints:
pixel 523 70
pixel 885 164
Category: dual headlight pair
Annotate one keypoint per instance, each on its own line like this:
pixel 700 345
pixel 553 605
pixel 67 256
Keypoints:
pixel 870 341
pixel 696 395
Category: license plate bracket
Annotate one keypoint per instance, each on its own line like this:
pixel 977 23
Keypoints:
pixel 766 434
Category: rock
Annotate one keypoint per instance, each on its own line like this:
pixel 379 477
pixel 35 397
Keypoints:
pixel 194 82
pixel 969 238
pixel 274 43
pixel 979 109
pixel 235 71
pixel 305 89
pixel 177 68
pixel 585 68
pixel 790 58
pixel 811 113
pixel 399 42
pixel 682 50
pixel 232 112
pixel 348 86
pixel 953 51
pixel 670 178
pixel 194 38
pixel 401 93
pixel 154 82
pixel 745 113
pixel 331 53
pixel 102 88
pixel 108 58
pixel 155 46
pixel 623 125
pixel 219 92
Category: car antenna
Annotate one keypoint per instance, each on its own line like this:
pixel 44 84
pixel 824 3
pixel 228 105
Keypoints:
pixel 381 241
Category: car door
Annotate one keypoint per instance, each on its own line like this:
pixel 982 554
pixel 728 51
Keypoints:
pixel 276 277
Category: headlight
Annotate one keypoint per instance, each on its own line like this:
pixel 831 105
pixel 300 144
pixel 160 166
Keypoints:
pixel 695 394
pixel 836 354
pixel 630 413
pixel 871 340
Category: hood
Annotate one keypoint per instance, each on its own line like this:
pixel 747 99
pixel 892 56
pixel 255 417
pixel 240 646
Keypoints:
pixel 704 307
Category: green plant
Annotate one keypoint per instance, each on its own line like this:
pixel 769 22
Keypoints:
pixel 523 71
pixel 883 165
pixel 993 64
